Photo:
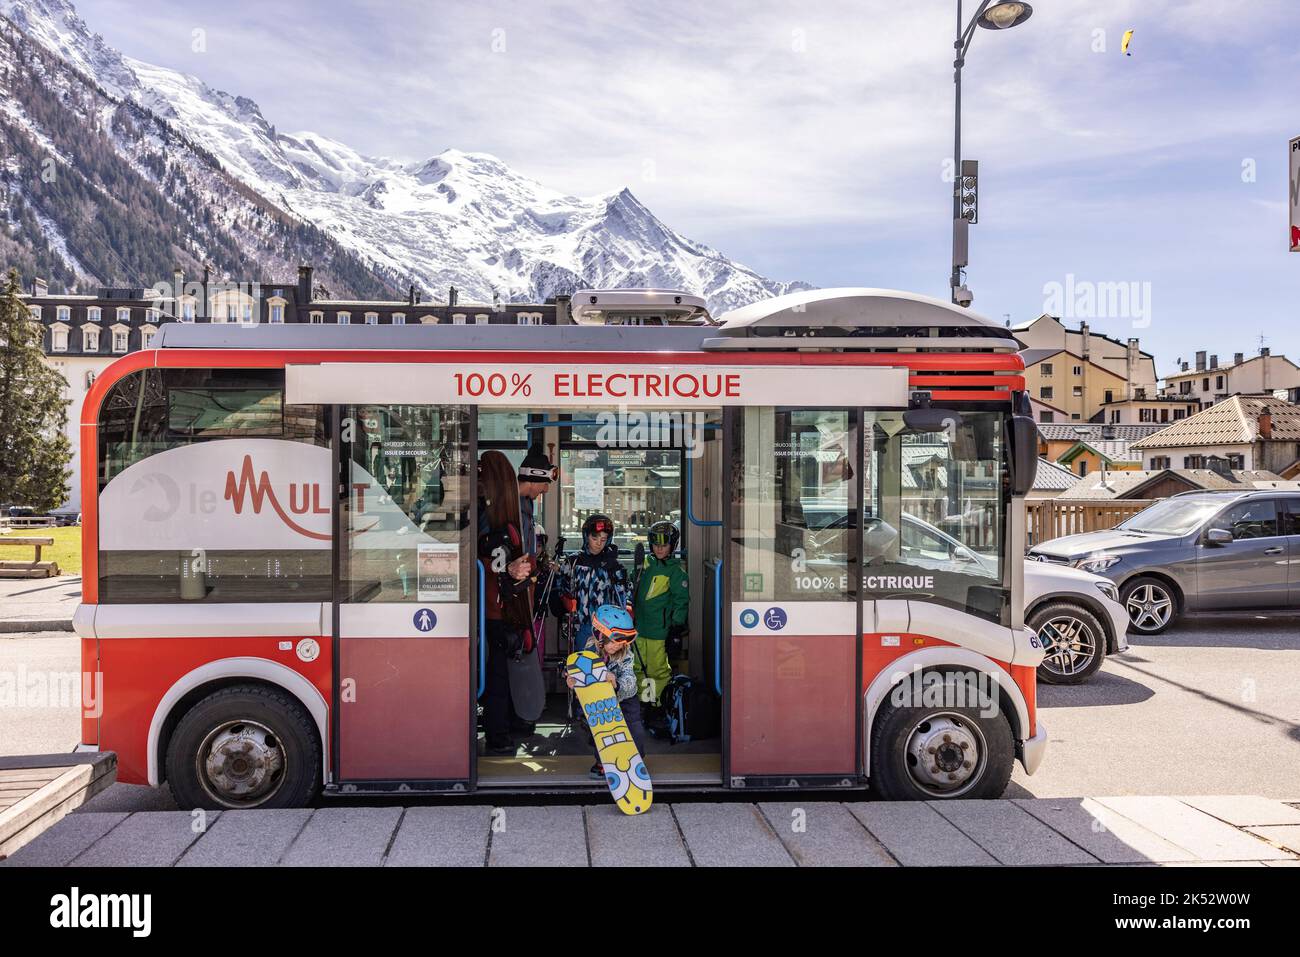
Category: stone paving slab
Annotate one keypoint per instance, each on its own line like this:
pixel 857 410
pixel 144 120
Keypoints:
pixel 730 835
pixel 1208 838
pixel 454 836
pixel 1287 835
pixel 65 840
pixel 1122 830
pixel 918 836
pixel 156 839
pixel 824 834
pixel 1011 834
pixel 616 839
pixel 1103 833
pixel 37 604
pixel 539 837
pixel 344 836
pixel 255 838
pixel 1245 810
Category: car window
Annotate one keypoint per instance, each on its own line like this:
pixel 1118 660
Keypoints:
pixel 1289 516
pixel 1253 519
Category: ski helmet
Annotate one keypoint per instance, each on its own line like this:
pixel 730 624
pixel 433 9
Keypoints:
pixel 664 533
pixel 613 623
pixel 597 523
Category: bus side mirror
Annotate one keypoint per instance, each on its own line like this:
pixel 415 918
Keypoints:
pixel 1023 460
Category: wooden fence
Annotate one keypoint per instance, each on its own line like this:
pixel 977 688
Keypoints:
pixel 1046 519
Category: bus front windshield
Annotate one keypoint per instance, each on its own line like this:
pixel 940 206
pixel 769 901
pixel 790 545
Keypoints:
pixel 936 506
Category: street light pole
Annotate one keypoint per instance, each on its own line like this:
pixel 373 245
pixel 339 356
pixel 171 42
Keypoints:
pixel 999 15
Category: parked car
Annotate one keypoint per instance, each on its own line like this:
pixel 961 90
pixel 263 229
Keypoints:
pixel 1078 617
pixel 1194 552
pixel 1076 614
pixel 66 516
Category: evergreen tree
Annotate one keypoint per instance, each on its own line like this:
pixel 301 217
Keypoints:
pixel 34 449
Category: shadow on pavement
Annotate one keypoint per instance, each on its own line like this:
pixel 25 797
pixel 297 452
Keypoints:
pixel 1269 632
pixel 1105 688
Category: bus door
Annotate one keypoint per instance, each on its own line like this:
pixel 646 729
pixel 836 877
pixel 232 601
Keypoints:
pixel 406 666
pixel 792 651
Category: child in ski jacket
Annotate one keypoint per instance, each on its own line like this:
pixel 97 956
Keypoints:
pixel 592 578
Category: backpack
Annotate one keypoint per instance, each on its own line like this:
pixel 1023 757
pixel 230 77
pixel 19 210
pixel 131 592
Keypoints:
pixel 692 710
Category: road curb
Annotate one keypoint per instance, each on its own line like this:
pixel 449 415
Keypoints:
pixel 18 626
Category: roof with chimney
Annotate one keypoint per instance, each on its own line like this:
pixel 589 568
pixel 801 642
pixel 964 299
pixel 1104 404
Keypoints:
pixel 1193 371
pixel 1234 421
pixel 1092 333
pixel 1104 486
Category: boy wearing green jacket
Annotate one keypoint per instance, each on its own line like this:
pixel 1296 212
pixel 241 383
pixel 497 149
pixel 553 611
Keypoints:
pixel 660 609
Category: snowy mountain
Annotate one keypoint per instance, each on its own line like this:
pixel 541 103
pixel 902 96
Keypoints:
pixel 96 190
pixel 458 218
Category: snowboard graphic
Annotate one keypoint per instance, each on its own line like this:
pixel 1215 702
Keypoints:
pixel 625 772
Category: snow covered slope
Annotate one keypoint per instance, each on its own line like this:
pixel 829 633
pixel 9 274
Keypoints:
pixel 458 218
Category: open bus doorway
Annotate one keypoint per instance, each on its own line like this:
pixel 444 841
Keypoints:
pixel 636 468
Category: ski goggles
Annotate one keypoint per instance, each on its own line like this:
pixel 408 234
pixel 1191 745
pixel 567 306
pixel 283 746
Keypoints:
pixel 606 633
pixel 660 538
pixel 601 526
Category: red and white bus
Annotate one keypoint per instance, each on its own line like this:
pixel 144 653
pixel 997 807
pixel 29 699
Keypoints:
pixel 280 522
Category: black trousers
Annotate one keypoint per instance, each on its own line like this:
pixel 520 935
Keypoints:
pixel 498 711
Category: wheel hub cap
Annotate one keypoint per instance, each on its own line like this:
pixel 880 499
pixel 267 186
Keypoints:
pixel 244 762
pixel 1149 607
pixel 943 754
pixel 1070 645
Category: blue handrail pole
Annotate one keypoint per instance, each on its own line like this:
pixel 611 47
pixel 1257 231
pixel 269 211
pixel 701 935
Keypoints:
pixel 690 505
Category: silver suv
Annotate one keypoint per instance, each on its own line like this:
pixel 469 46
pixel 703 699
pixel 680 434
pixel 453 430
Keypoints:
pixel 1193 552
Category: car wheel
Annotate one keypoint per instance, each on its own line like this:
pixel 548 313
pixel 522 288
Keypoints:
pixel 243 747
pixel 1074 642
pixel 937 753
pixel 1152 605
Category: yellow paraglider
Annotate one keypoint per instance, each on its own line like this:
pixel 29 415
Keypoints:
pixel 1123 46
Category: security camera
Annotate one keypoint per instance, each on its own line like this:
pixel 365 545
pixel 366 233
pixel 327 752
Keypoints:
pixel 962 296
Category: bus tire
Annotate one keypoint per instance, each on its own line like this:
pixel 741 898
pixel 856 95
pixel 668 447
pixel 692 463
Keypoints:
pixel 242 747
pixel 902 734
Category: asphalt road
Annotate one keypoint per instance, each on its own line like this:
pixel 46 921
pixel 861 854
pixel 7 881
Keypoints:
pixel 1213 707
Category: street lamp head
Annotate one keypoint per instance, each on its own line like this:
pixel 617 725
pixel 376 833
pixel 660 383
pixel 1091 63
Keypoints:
pixel 1005 15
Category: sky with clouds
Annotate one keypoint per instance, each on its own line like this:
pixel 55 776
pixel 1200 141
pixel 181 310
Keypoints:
pixel 808 140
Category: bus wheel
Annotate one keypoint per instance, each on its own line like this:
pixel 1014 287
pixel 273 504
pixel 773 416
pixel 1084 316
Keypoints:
pixel 242 747
pixel 933 753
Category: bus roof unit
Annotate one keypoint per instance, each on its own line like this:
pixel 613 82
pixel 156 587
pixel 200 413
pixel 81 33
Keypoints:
pixel 878 320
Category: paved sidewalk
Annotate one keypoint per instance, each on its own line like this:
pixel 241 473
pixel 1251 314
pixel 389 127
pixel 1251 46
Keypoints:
pixel 1187 831
pixel 38 604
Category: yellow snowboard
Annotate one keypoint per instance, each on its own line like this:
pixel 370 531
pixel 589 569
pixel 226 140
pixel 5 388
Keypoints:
pixel 625 772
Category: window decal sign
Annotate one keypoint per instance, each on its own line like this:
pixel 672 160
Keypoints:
pixel 224 494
